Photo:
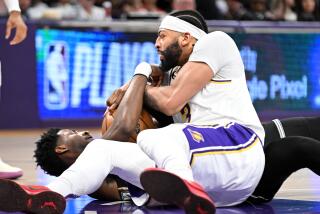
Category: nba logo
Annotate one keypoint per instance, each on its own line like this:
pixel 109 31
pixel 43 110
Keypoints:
pixel 56 76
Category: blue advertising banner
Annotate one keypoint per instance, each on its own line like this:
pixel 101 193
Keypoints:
pixel 78 70
pixel 282 70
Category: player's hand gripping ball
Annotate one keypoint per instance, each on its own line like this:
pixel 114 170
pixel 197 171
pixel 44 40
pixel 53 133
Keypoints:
pixel 145 122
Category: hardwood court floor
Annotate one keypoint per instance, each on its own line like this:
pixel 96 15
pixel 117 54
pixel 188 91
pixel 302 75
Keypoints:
pixel 299 194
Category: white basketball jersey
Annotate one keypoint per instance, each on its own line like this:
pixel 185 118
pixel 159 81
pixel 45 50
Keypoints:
pixel 226 97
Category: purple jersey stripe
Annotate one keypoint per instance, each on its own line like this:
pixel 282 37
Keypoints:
pixel 231 135
pixel 231 138
pixel 223 150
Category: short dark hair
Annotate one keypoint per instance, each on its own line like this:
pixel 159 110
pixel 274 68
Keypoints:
pixel 45 154
pixel 191 16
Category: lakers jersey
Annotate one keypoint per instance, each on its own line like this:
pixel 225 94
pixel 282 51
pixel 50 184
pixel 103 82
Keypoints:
pixel 226 97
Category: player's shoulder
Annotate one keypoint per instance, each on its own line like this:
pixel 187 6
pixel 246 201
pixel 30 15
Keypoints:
pixel 216 35
pixel 214 40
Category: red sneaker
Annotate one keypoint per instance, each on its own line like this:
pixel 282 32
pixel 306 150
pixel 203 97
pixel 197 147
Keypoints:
pixel 31 199
pixel 169 188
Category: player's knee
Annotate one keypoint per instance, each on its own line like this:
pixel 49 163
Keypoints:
pixel 144 136
pixel 148 140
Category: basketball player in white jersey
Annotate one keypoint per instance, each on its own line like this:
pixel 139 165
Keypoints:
pixel 217 138
pixel 217 155
pixel 216 127
pixel 210 100
pixel 14 21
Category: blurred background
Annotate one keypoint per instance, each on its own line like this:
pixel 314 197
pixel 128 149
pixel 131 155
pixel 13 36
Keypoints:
pixel 78 52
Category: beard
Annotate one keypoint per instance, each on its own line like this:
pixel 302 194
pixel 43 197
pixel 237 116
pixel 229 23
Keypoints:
pixel 171 56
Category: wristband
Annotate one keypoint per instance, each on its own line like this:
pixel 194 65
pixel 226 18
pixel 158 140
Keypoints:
pixel 12 5
pixel 144 69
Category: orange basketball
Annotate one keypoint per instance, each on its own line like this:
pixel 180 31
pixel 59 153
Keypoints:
pixel 145 122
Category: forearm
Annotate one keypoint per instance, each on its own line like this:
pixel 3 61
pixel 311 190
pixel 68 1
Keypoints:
pixel 12 5
pixel 108 191
pixel 171 99
pixel 128 112
pixel 113 188
pixel 157 98
pixel 163 99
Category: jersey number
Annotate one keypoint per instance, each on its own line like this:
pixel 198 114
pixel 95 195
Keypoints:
pixel 186 113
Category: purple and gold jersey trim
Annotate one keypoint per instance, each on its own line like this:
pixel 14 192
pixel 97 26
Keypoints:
pixel 231 138
pixel 220 81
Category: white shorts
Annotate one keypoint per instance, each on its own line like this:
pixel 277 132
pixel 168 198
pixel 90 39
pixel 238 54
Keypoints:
pixel 228 161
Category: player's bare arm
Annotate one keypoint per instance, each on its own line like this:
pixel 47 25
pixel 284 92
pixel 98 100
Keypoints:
pixel 169 100
pixel 107 191
pixel 115 98
pixel 124 124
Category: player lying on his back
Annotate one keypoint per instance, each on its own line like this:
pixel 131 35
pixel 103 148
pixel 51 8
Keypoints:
pixel 298 149
pixel 53 155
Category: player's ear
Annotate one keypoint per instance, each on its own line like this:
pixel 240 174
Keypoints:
pixel 61 149
pixel 186 39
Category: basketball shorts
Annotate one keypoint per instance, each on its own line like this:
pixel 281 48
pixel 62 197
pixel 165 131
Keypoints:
pixel 228 161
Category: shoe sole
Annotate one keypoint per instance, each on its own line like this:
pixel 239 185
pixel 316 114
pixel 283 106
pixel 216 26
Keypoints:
pixel 14 198
pixel 171 189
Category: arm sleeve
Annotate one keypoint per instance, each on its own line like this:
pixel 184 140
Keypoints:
pixel 12 5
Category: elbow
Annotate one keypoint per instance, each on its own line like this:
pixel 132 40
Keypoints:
pixel 125 133
pixel 120 129
pixel 169 112
pixel 170 109
pixel 117 132
pixel 126 126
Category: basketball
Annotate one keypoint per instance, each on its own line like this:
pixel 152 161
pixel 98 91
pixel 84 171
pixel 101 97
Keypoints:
pixel 145 122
